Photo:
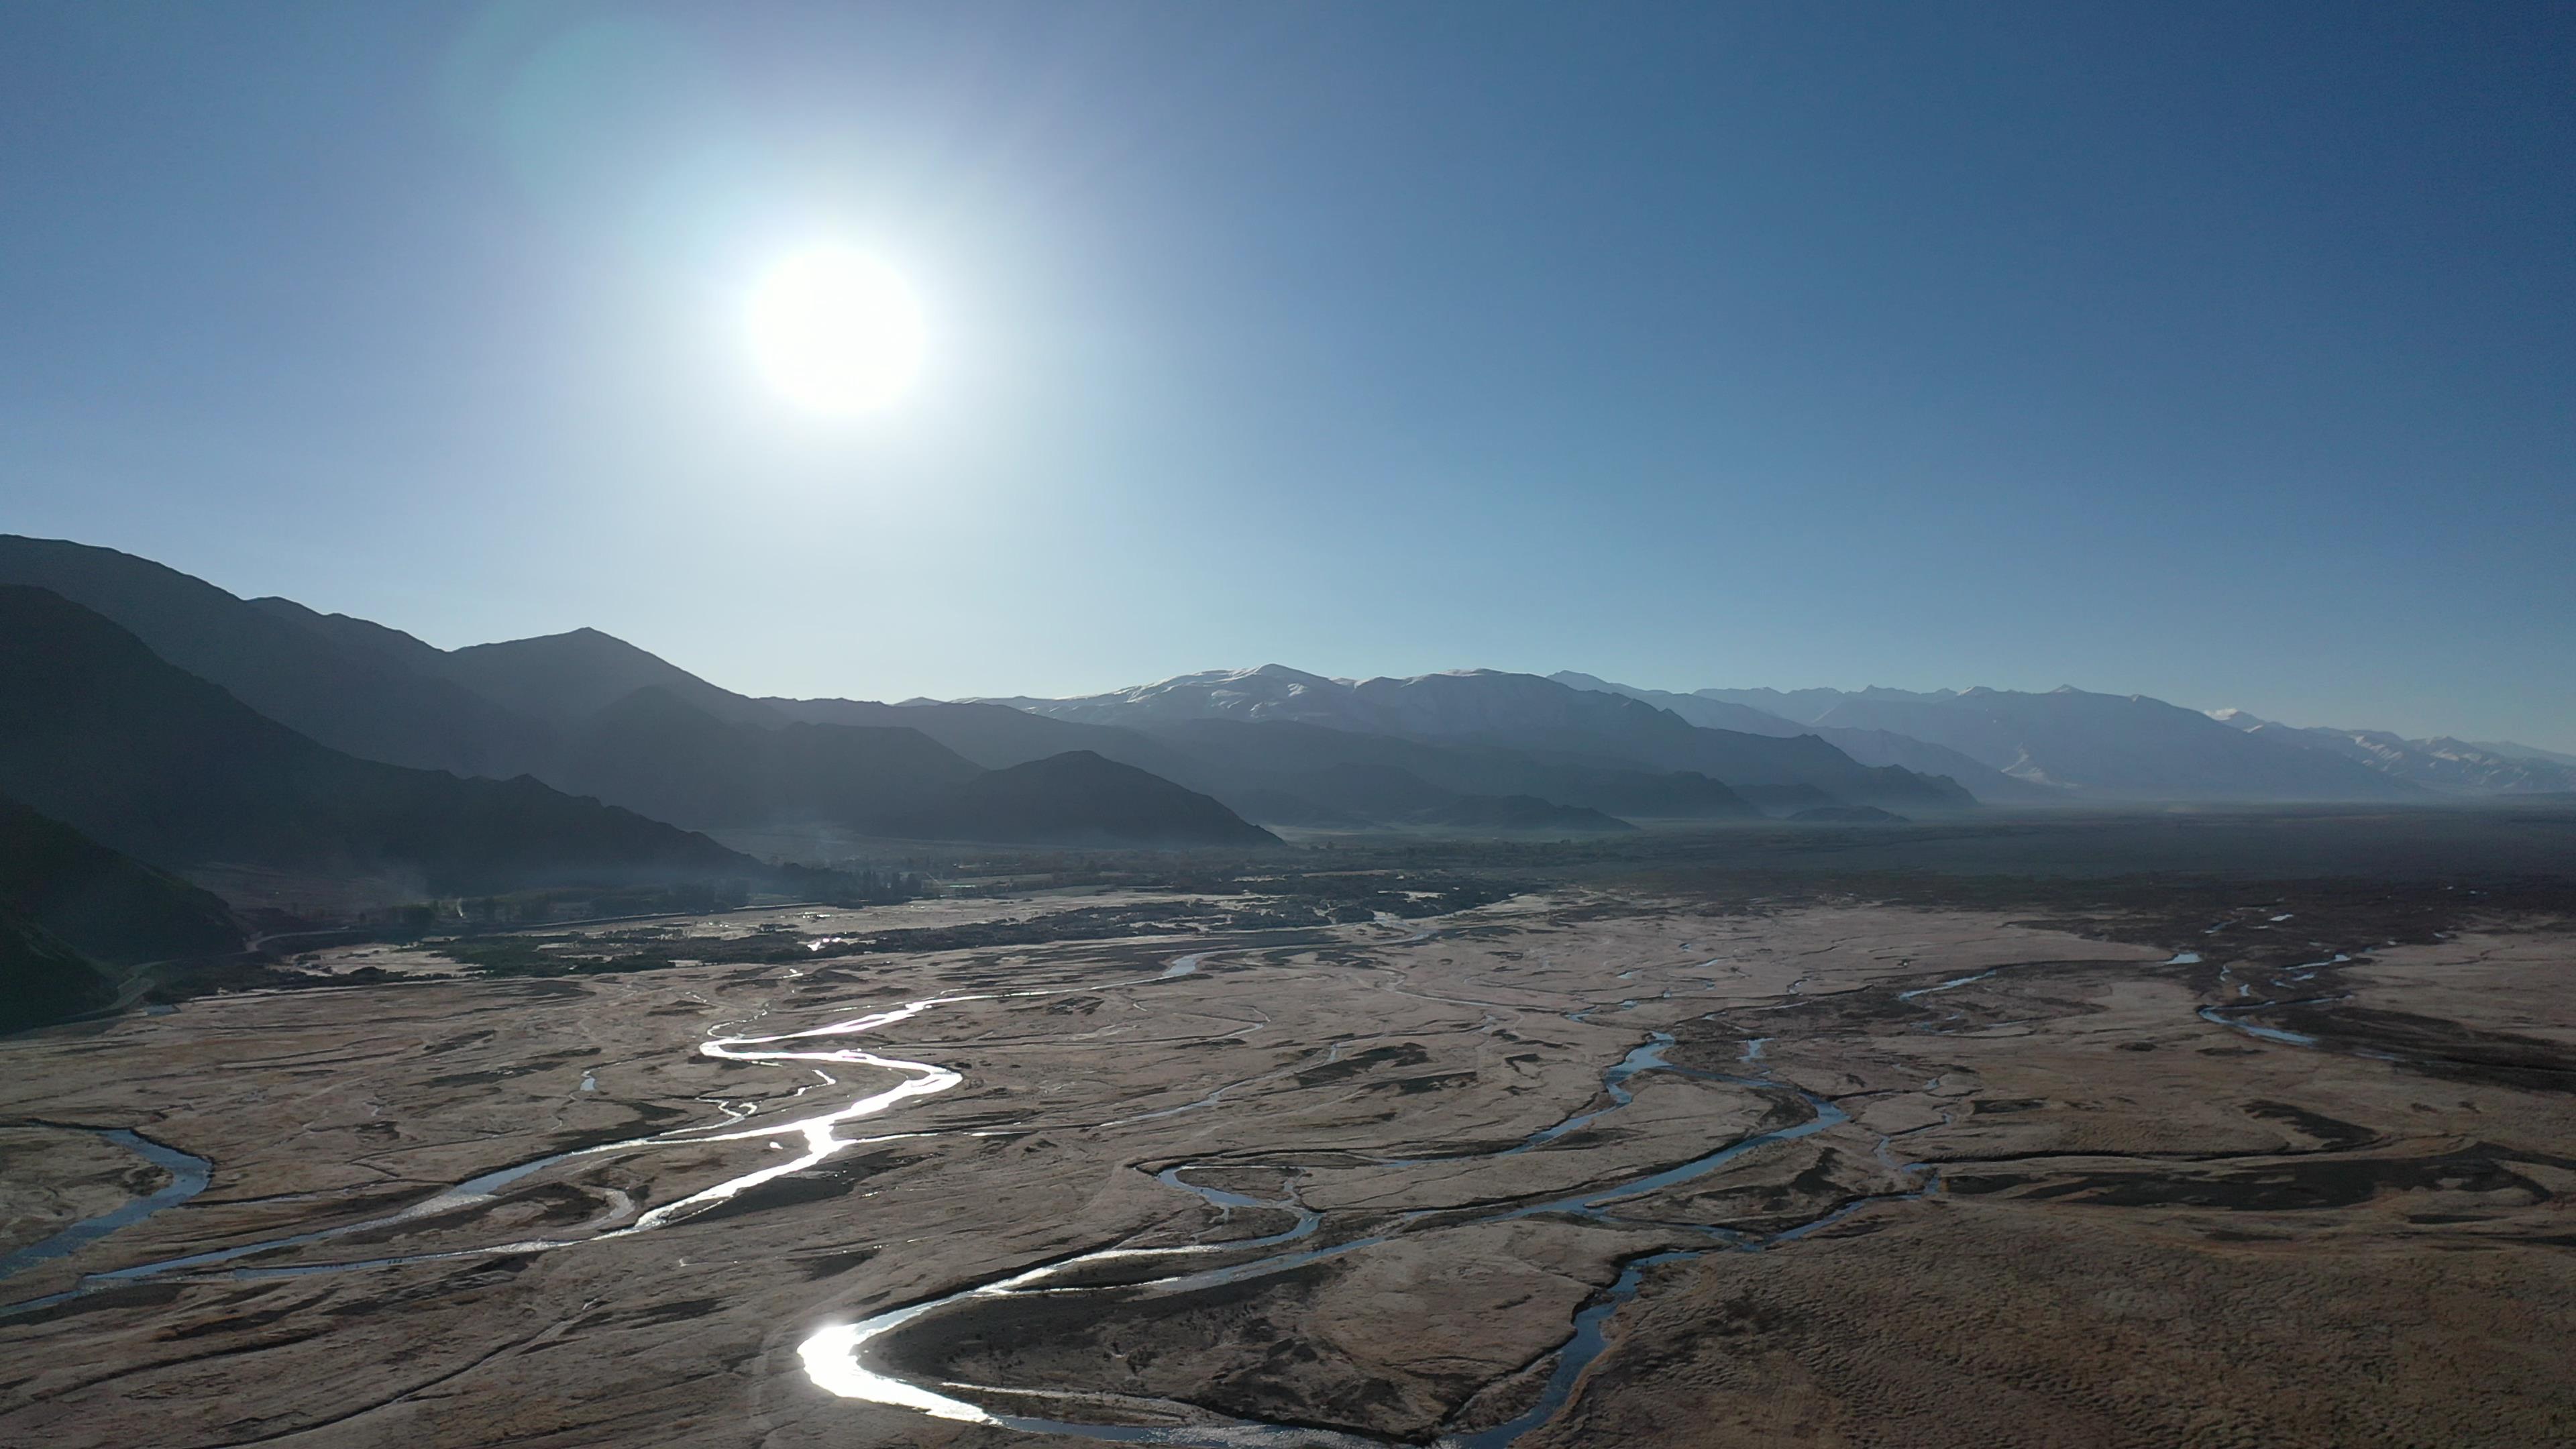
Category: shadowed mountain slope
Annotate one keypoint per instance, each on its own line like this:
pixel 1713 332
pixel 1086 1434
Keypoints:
pixel 105 905
pixel 99 732
pixel 71 910
pixel 663 755
pixel 560 680
pixel 994 736
pixel 1283 773
pixel 1708 714
pixel 1318 765
pixel 566 678
pixel 1515 711
pixel 1077 798
pixel 1869 746
pixel 660 754
pixel 290 664
pixel 1271 692
pixel 563 709
pixel 43 980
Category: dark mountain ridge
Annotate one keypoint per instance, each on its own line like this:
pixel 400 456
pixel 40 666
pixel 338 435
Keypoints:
pixel 1075 798
pixel 103 904
pixel 1289 773
pixel 573 711
pixel 663 755
pixel 72 912
pixel 1314 762
pixel 99 732
pixel 2118 747
pixel 365 703
pixel 1521 712
pixel 1869 746
pixel 567 678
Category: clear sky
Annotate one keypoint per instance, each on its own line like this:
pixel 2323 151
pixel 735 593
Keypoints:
pixel 2222 353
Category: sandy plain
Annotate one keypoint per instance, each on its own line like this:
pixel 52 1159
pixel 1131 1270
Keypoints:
pixel 1582 1168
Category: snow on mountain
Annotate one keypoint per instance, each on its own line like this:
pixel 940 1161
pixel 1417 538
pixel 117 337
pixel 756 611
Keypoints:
pixel 2452 766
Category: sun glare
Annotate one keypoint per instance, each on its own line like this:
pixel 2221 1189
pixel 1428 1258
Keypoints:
pixel 835 331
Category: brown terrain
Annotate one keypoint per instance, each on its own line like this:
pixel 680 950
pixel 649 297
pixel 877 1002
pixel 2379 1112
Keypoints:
pixel 1874 1172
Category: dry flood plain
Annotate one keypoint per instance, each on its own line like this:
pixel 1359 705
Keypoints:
pixel 1573 1168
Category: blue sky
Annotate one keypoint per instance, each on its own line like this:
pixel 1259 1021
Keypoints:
pixel 2220 353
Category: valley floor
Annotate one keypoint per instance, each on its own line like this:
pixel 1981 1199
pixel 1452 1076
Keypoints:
pixel 1586 1167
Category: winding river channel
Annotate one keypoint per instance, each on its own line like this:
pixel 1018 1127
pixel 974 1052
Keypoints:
pixel 852 1360
pixel 189 1175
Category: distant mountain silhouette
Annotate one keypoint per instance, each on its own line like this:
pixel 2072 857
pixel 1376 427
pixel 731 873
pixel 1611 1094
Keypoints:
pixel 992 735
pixel 1282 772
pixel 1708 714
pixel 1521 712
pixel 2110 747
pixel 588 713
pixel 2115 747
pixel 1806 706
pixel 2452 766
pixel 1869 746
pixel 290 664
pixel 1295 774
pixel 1271 692
pixel 662 755
pixel 1076 798
pixel 72 909
pixel 567 678
pixel 1319 765
pixel 2513 751
pixel 559 679
pixel 570 710
pixel 99 732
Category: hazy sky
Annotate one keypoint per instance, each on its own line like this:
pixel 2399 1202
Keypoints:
pixel 2225 354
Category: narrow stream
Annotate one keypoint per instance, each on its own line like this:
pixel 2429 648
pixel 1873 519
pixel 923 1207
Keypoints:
pixel 850 1359
pixel 839 1357
pixel 820 1134
pixel 2235 1018
pixel 189 1175
pixel 847 1359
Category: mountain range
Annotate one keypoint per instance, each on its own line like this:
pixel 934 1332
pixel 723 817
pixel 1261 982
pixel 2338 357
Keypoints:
pixel 2110 747
pixel 585 713
pixel 2439 763
pixel 165 718
pixel 582 714
pixel 1869 746
pixel 99 732
pixel 1542 724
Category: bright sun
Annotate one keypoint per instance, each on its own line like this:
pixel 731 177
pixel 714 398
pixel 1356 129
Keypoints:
pixel 836 331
